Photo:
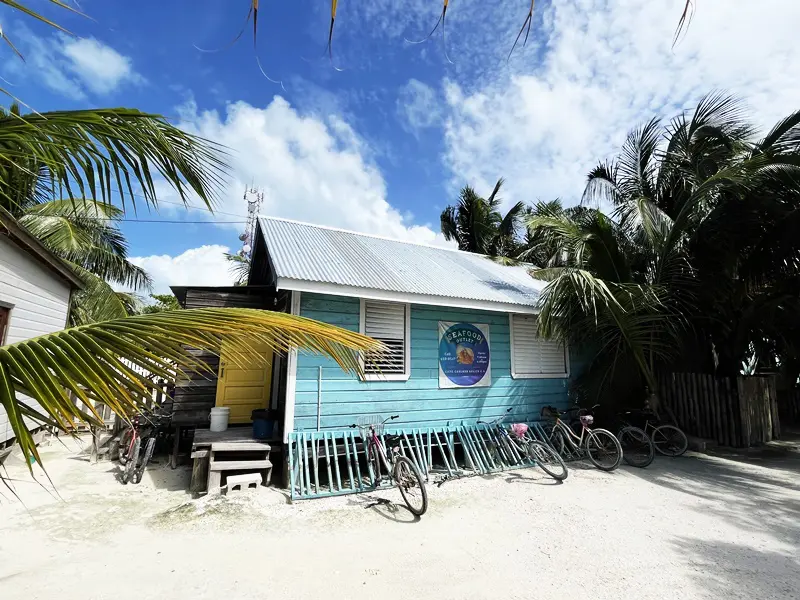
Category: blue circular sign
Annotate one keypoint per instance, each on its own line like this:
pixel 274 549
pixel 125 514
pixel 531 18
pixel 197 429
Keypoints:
pixel 464 354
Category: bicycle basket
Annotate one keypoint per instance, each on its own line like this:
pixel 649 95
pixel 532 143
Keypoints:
pixel 519 430
pixel 369 423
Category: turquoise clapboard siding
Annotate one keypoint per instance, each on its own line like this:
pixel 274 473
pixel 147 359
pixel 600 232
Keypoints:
pixel 418 401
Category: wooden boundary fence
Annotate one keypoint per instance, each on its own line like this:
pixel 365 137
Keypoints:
pixel 737 412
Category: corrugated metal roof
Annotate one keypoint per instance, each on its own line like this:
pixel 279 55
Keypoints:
pixel 305 252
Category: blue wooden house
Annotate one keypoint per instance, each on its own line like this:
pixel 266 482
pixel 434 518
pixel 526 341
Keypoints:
pixel 460 327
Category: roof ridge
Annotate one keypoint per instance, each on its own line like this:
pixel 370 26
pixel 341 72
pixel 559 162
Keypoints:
pixel 370 235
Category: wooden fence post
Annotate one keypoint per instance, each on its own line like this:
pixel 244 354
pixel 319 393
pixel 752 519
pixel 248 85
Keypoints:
pixel 773 404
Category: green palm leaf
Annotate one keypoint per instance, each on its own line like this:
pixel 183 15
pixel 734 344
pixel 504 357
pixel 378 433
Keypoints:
pixel 84 232
pixel 87 360
pixel 97 301
pixel 477 225
pixel 239 267
pixel 99 153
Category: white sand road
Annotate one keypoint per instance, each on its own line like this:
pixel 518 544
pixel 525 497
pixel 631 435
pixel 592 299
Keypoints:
pixel 694 527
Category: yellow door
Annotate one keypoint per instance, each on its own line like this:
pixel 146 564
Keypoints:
pixel 244 387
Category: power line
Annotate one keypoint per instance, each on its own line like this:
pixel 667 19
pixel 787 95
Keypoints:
pixel 191 207
pixel 175 222
pixel 187 206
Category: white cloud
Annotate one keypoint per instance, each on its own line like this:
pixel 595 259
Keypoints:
pixel 73 67
pixel 597 69
pixel 101 68
pixel 418 105
pixel 205 265
pixel 311 168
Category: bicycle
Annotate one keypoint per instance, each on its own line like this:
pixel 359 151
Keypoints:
pixel 158 428
pixel 518 443
pixel 668 440
pixel 130 445
pixel 600 446
pixel 132 441
pixel 638 449
pixel 397 467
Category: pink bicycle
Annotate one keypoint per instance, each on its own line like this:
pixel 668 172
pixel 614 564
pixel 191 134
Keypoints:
pixel 392 465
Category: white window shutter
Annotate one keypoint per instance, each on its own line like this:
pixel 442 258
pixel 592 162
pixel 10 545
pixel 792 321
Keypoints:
pixel 533 356
pixel 386 322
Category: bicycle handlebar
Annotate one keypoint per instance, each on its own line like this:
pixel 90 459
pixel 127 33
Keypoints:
pixel 498 419
pixel 386 420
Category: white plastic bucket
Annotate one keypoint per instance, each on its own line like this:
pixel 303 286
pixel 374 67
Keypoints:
pixel 219 418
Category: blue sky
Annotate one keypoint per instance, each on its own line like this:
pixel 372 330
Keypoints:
pixel 384 144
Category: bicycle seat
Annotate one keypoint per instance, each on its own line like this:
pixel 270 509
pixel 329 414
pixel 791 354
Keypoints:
pixel 586 420
pixel 550 412
pixel 392 440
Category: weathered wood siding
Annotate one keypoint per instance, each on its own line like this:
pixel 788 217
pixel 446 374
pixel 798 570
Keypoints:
pixel 734 411
pixel 39 303
pixel 418 401
pixel 196 393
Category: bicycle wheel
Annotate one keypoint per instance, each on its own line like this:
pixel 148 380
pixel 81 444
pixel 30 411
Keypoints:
pixel 374 459
pixel 557 441
pixel 669 440
pixel 603 449
pixel 637 448
pixel 411 485
pixel 148 454
pixel 124 446
pixel 133 458
pixel 547 460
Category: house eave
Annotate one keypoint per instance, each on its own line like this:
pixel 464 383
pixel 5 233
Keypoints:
pixel 335 289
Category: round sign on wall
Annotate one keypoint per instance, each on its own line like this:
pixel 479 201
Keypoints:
pixel 463 353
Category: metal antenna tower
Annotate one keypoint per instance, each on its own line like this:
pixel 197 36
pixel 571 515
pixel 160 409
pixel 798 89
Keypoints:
pixel 254 199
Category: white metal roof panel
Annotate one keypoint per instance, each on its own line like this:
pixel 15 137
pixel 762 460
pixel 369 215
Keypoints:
pixel 302 252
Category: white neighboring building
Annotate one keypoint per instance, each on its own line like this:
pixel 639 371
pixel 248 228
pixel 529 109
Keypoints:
pixel 35 292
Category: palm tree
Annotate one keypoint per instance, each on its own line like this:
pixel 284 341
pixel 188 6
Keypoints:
pixel 477 225
pixel 697 266
pixel 45 154
pixel 86 360
pixel 85 235
pixel 239 267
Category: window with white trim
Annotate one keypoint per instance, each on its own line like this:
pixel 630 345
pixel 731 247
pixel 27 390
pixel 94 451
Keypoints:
pixel 5 315
pixel 387 322
pixel 532 356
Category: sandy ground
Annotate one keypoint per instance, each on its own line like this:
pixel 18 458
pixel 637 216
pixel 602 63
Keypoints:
pixel 694 527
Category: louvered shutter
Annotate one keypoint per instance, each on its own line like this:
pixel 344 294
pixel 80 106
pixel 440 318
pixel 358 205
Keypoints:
pixel 533 356
pixel 386 322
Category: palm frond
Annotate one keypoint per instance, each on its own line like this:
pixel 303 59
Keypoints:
pixel 87 360
pixel 32 13
pixel 97 301
pixel 636 166
pixel 493 200
pixel 601 185
pixel 239 267
pixel 784 137
pixel 102 152
pixel 132 303
pixel 84 232
pixel 449 224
